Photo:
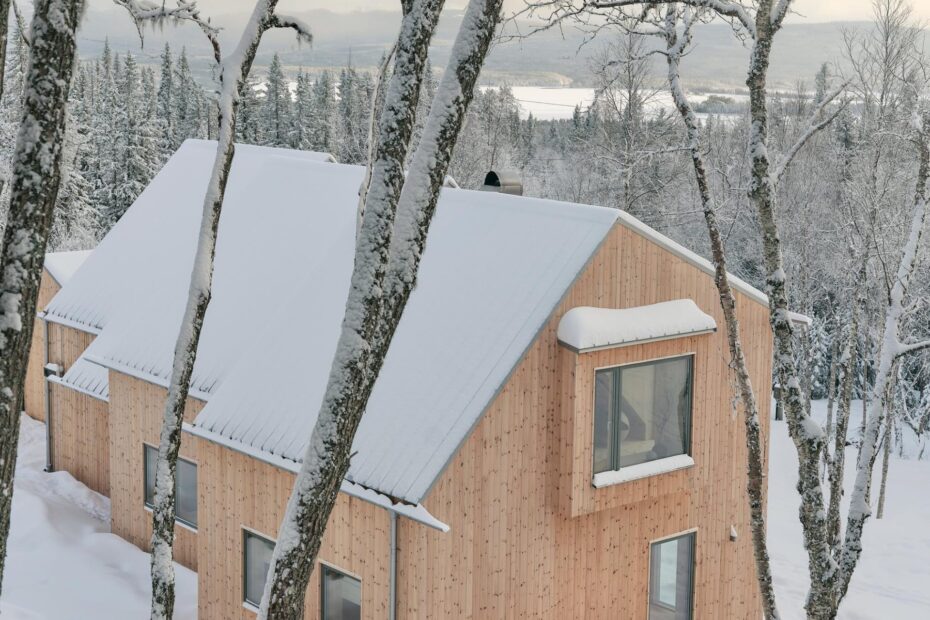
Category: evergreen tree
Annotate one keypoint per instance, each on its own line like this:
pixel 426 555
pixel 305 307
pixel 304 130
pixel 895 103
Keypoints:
pixel 165 111
pixel 322 136
pixel 301 131
pixel 276 107
pixel 248 128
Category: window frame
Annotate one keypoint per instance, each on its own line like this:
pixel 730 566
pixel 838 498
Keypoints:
pixel 246 532
pixel 691 534
pixel 151 506
pixel 326 566
pixel 616 387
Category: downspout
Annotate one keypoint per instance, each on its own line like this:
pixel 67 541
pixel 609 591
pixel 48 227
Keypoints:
pixel 48 409
pixel 392 602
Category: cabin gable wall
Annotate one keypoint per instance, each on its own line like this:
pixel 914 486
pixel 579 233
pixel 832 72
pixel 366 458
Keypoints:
pixel 529 536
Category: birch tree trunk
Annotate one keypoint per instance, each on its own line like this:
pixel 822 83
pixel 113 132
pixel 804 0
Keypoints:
pixel 805 433
pixel 831 396
pixel 233 76
pixel 892 348
pixel 327 458
pixel 4 34
pixel 886 458
pixel 675 47
pixel 36 176
pixel 393 234
pixel 847 370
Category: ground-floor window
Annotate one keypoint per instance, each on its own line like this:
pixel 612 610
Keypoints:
pixel 185 490
pixel 256 562
pixel 671 578
pixel 341 596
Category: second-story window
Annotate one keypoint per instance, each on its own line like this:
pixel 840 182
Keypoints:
pixel 642 413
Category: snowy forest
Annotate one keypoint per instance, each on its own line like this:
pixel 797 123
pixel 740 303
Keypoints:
pixel 847 147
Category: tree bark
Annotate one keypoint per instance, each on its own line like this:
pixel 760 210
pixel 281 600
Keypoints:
pixel 675 46
pixel 891 349
pixel 4 33
pixel 805 433
pixel 886 458
pixel 847 370
pixel 327 458
pixel 831 396
pixel 36 176
pixel 233 76
pixel 367 335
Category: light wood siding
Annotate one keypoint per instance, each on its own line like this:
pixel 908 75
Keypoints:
pixel 236 492
pixel 80 437
pixel 79 425
pixel 514 551
pixel 34 390
pixel 136 409
pixel 66 344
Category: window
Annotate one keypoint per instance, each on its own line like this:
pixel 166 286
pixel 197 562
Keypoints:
pixel 642 413
pixel 185 491
pixel 671 583
pixel 341 596
pixel 256 561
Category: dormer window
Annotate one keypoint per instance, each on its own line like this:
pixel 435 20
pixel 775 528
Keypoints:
pixel 642 419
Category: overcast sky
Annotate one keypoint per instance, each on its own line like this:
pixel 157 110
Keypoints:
pixel 811 10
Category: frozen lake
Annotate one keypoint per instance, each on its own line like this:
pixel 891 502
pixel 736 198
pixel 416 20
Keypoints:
pixel 558 103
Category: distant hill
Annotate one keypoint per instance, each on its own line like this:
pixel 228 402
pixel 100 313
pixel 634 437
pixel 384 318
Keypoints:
pixel 549 58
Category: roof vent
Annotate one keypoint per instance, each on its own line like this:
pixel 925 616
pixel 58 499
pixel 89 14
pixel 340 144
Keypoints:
pixel 503 181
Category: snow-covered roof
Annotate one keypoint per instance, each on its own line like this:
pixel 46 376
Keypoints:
pixel 63 265
pixel 86 377
pixel 494 269
pixel 141 251
pixel 587 329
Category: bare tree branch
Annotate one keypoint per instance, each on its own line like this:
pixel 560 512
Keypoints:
pixel 814 127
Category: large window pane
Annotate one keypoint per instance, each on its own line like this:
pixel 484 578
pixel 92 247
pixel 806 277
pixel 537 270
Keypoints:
pixel 150 458
pixel 342 596
pixel 185 505
pixel 655 410
pixel 256 562
pixel 603 416
pixel 671 578
pixel 642 412
pixel 185 492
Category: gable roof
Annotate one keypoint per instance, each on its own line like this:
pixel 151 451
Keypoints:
pixel 494 269
pixel 137 254
pixel 63 265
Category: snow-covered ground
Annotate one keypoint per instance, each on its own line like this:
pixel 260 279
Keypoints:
pixel 892 578
pixel 63 563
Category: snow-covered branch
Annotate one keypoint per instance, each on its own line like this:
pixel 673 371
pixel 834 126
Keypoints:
pixel 294 23
pixel 725 8
pixel 816 123
pixel 145 12
pixel 234 72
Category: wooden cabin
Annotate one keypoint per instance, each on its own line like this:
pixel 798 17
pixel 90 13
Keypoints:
pixel 553 434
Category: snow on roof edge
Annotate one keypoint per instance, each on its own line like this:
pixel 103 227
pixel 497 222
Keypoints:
pixel 135 373
pixel 687 255
pixel 417 512
pixel 63 265
pixel 60 320
pixel 587 328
